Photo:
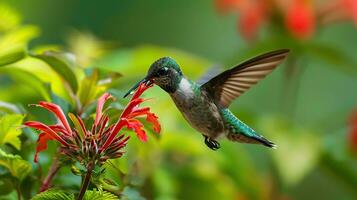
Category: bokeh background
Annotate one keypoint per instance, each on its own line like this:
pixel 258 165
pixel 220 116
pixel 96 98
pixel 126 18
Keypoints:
pixel 307 106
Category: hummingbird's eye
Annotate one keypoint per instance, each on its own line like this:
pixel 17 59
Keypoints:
pixel 163 71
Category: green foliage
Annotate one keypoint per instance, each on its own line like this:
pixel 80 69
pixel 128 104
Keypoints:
pixel 11 55
pixel 10 130
pixel 30 80
pixel 99 195
pixel 17 167
pixel 88 90
pixel 9 17
pixel 177 165
pixel 53 194
pixel 63 64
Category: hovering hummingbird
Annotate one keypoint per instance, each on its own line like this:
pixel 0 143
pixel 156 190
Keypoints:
pixel 205 106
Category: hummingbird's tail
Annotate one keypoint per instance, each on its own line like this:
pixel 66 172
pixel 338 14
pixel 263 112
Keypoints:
pixel 253 139
pixel 262 140
pixel 240 132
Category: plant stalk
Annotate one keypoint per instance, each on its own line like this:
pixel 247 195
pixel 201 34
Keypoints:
pixel 86 180
pixel 51 174
pixel 18 190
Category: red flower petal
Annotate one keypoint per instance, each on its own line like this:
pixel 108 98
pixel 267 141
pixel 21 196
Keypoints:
pixel 351 7
pixel 300 19
pixel 115 130
pixel 251 20
pixel 101 101
pixel 137 126
pixel 46 129
pixel 128 113
pixel 141 90
pixel 130 107
pixel 42 143
pixel 55 109
pixel 224 6
pixel 152 118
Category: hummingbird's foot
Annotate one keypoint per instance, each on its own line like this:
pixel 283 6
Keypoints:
pixel 212 144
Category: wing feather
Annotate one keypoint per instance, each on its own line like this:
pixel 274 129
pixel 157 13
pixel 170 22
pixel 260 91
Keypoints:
pixel 232 83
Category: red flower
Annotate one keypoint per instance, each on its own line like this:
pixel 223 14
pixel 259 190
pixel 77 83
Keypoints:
pixel 300 19
pixel 227 5
pixel 351 8
pixel 352 139
pixel 251 19
pixel 101 142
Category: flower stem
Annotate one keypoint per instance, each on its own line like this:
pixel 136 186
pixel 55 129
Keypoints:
pixel 86 180
pixel 51 174
pixel 18 190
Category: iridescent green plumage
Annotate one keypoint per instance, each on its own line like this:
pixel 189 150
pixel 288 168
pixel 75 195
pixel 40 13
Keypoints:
pixel 205 106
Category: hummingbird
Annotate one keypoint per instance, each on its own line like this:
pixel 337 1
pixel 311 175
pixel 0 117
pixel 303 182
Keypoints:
pixel 205 106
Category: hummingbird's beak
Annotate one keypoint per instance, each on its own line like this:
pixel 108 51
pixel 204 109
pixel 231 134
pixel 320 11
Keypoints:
pixel 145 80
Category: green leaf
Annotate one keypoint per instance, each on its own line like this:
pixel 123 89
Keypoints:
pixel 63 64
pixel 6 185
pixel 9 18
pixel 99 195
pixel 77 124
pixel 18 167
pixel 53 194
pixel 88 89
pixel 12 55
pixel 24 77
pixel 9 108
pixel 9 130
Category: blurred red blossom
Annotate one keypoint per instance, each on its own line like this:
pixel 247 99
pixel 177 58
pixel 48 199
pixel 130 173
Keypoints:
pixel 352 137
pixel 101 142
pixel 300 16
pixel 300 19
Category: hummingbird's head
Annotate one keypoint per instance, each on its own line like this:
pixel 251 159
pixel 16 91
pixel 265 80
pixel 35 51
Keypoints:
pixel 164 72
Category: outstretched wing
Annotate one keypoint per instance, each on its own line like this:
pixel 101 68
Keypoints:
pixel 230 84
pixel 210 73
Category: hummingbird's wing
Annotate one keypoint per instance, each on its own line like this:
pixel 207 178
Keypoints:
pixel 210 73
pixel 230 84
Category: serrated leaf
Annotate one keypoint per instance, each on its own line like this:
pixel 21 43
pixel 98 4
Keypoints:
pixel 17 167
pixel 99 195
pixel 10 131
pixel 12 55
pixel 53 194
pixel 63 64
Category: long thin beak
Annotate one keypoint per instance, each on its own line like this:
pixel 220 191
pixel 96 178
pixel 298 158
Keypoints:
pixel 136 86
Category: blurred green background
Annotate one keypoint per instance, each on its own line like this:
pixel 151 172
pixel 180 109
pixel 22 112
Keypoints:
pixel 303 106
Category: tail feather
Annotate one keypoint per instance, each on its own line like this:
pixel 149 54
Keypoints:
pixel 254 139
pixel 265 142
pixel 240 132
